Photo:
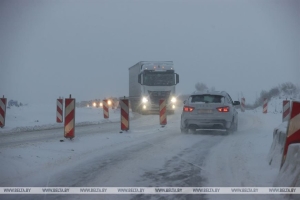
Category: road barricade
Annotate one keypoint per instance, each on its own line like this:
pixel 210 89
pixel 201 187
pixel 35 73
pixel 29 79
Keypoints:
pixel 162 112
pixel 69 129
pixel 285 110
pixel 243 104
pixel 59 110
pixel 289 174
pixel 124 103
pixel 105 109
pixel 265 106
pixel 3 102
pixel 293 130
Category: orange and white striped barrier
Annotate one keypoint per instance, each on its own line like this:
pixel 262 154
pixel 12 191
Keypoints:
pixel 105 109
pixel 285 110
pixel 59 110
pixel 69 118
pixel 162 112
pixel 265 106
pixel 124 103
pixel 293 129
pixel 3 102
pixel 243 104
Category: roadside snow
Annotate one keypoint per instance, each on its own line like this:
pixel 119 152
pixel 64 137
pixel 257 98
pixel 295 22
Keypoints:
pixel 43 117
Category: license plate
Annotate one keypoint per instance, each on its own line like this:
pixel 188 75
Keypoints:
pixel 205 111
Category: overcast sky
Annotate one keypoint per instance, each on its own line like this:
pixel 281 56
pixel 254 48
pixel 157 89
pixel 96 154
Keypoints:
pixel 84 48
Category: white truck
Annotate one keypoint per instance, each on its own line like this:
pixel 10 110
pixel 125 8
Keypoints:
pixel 150 81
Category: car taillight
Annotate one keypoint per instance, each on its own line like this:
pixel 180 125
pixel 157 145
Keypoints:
pixel 188 109
pixel 223 109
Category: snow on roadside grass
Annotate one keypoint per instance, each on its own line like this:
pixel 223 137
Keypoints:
pixel 43 117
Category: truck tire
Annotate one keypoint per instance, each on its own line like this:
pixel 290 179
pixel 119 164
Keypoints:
pixel 134 107
pixel 184 130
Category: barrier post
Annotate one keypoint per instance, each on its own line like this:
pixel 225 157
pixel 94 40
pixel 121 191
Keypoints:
pixel 3 102
pixel 69 131
pixel 293 129
pixel 285 110
pixel 265 106
pixel 124 103
pixel 105 109
pixel 162 112
pixel 243 104
pixel 59 110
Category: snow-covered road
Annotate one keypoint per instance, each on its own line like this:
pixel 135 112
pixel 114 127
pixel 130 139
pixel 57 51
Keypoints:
pixel 146 156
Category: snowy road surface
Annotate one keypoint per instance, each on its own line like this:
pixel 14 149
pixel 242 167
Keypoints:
pixel 146 156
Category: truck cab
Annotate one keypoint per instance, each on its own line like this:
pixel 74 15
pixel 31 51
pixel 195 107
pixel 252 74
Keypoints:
pixel 157 80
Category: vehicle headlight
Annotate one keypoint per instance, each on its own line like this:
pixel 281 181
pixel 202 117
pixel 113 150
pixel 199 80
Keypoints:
pixel 101 104
pixel 173 99
pixel 109 102
pixel 94 104
pixel 144 100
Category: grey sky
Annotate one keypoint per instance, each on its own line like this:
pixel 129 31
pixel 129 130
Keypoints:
pixel 54 48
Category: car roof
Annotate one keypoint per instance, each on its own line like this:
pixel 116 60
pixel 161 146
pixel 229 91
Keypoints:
pixel 223 93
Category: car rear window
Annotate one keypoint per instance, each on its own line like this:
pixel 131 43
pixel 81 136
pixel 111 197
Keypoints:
pixel 207 98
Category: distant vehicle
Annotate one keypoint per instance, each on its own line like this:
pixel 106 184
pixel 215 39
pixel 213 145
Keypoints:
pixel 211 110
pixel 111 101
pixel 150 81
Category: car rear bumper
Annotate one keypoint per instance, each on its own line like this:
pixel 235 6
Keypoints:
pixel 206 123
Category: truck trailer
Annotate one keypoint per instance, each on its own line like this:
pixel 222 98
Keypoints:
pixel 150 81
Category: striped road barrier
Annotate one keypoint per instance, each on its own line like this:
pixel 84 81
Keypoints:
pixel 59 110
pixel 3 102
pixel 293 129
pixel 124 103
pixel 162 112
pixel 69 118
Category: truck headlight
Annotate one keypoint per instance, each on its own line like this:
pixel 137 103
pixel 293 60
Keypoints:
pixel 173 99
pixel 94 104
pixel 144 100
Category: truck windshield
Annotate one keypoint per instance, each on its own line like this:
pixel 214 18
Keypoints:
pixel 159 79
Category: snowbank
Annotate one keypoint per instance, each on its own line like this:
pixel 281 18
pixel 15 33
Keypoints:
pixel 43 117
pixel 275 153
pixel 289 175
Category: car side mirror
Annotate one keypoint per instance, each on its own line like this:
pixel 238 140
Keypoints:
pixel 235 103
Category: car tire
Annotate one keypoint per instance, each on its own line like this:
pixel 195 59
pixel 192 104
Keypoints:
pixel 226 132
pixel 184 130
pixel 232 128
pixel 235 126
pixel 192 131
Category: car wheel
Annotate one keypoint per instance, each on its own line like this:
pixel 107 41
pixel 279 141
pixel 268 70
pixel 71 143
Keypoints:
pixel 231 129
pixel 193 131
pixel 226 132
pixel 184 130
pixel 235 126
